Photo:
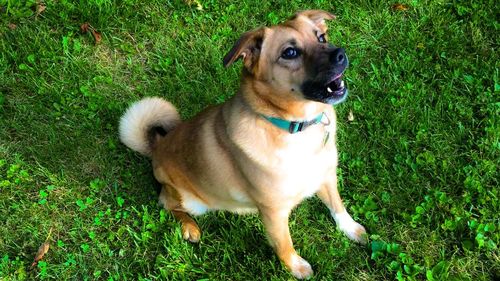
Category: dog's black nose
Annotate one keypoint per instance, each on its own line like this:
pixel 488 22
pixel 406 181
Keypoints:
pixel 337 57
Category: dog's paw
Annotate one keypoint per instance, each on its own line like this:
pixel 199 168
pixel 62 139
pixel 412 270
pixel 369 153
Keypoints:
pixel 191 232
pixel 300 268
pixel 351 228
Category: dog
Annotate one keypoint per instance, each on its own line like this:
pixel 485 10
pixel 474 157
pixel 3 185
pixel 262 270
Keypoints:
pixel 267 148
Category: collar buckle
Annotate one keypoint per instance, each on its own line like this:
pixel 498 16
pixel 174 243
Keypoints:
pixel 295 127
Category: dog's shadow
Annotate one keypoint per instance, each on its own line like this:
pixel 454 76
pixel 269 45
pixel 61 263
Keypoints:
pixel 241 235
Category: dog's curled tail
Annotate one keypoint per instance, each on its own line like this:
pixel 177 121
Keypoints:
pixel 144 120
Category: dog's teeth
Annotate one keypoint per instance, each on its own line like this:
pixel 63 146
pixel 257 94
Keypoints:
pixel 342 84
pixel 329 90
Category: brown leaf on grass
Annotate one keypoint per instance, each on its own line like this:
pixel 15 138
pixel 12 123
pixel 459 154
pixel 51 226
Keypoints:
pixel 44 248
pixel 12 26
pixel 40 7
pixel 399 7
pixel 84 28
pixel 97 36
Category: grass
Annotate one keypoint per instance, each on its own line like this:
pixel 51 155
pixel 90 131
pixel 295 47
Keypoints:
pixel 418 165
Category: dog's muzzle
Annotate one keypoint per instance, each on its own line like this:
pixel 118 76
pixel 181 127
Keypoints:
pixel 328 87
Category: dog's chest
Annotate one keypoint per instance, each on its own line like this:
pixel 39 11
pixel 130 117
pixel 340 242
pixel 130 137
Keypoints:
pixel 302 165
pixel 279 166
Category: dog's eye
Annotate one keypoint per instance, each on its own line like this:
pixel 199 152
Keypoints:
pixel 290 53
pixel 322 38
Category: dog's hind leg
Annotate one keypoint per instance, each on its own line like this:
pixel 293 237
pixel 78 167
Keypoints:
pixel 329 194
pixel 170 200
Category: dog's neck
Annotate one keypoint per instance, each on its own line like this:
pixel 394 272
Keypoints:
pixel 257 97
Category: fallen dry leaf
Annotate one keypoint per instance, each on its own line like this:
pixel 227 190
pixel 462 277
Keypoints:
pixel 12 26
pixel 44 248
pixel 40 7
pixel 399 7
pixel 84 28
pixel 97 36
pixel 199 7
pixel 350 117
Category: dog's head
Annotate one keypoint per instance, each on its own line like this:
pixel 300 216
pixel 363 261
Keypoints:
pixel 294 59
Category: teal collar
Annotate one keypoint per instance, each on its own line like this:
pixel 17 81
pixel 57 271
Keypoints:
pixel 293 126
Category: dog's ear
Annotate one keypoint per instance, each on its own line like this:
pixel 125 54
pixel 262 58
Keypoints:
pixel 318 17
pixel 247 47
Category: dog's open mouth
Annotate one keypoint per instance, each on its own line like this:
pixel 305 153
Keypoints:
pixel 336 86
pixel 333 92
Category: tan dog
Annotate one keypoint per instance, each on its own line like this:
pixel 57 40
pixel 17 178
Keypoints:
pixel 265 149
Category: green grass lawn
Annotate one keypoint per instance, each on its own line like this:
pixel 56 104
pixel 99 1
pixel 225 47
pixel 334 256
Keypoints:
pixel 418 164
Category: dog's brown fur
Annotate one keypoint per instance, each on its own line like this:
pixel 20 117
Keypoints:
pixel 230 158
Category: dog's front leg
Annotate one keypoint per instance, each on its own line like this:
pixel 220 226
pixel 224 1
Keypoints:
pixel 276 225
pixel 329 194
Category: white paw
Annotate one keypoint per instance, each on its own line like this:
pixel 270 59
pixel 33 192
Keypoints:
pixel 351 228
pixel 300 268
